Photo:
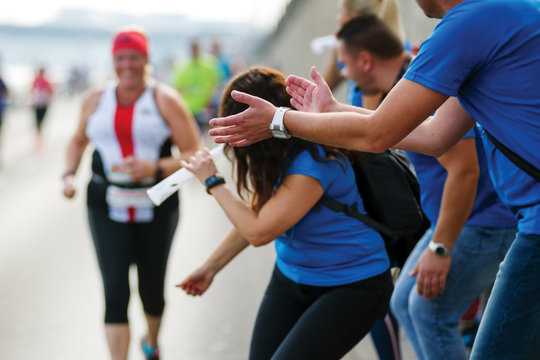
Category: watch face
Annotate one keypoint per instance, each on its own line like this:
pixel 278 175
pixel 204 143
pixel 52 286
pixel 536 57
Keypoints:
pixel 440 250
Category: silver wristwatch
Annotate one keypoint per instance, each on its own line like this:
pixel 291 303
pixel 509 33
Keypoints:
pixel 438 248
pixel 277 127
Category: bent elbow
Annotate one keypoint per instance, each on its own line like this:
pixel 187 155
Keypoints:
pixel 259 240
pixel 258 237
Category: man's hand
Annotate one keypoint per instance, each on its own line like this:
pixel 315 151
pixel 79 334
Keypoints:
pixel 431 271
pixel 308 96
pixel 250 126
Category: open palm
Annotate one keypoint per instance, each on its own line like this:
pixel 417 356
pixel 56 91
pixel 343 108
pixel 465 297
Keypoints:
pixel 310 96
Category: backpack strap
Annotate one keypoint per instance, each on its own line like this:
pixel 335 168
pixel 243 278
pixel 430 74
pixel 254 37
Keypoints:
pixel 515 158
pixel 337 206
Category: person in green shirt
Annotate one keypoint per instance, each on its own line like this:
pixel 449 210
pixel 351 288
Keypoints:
pixel 196 80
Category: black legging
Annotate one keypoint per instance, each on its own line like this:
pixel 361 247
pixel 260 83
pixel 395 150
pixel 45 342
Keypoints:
pixel 118 245
pixel 40 115
pixel 311 322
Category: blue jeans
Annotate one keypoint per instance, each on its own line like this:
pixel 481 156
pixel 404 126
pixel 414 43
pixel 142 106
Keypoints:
pixel 510 328
pixel 432 325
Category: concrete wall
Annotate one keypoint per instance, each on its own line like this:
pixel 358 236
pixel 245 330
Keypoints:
pixel 288 48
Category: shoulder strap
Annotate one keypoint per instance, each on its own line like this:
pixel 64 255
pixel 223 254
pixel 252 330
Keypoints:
pixel 337 206
pixel 515 158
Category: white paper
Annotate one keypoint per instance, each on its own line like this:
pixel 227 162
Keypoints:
pixel 166 187
pixel 322 44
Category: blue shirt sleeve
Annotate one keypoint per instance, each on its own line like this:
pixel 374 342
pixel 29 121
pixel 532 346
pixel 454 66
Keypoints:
pixel 456 49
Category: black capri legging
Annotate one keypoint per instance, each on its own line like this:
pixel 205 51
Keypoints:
pixel 299 322
pixel 40 115
pixel 118 245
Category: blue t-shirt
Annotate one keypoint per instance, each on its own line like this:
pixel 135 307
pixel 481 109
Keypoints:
pixel 354 94
pixel 487 53
pixel 488 209
pixel 327 248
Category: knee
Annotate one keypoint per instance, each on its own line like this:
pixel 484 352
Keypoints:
pixel 116 309
pixel 399 305
pixel 117 295
pixel 153 301
pixel 422 313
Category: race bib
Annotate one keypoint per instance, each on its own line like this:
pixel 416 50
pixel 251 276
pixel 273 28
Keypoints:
pixel 129 205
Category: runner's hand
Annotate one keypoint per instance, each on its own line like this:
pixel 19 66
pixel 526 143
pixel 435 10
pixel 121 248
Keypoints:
pixel 139 169
pixel 69 186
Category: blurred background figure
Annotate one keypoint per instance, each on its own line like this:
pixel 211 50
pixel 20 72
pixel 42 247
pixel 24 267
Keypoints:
pixel 41 95
pixel 3 100
pixel 3 105
pixel 196 80
pixel 133 122
pixel 222 61
pixel 77 81
pixel 224 74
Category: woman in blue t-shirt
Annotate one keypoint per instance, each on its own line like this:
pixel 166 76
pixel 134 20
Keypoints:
pixel 331 281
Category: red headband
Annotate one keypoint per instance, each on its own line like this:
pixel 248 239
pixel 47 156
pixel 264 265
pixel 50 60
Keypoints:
pixel 130 40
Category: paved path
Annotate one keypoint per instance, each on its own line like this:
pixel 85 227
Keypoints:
pixel 51 296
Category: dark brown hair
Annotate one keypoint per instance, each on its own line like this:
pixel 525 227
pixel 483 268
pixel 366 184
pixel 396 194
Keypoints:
pixel 260 166
pixel 368 32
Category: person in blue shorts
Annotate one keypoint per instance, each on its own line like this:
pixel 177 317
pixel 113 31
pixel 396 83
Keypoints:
pixel 481 64
pixel 331 281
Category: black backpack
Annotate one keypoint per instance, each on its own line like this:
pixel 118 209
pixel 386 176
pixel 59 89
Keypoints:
pixel 390 191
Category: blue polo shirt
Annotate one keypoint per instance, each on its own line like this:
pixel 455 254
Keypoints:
pixel 327 248
pixel 487 53
pixel 488 209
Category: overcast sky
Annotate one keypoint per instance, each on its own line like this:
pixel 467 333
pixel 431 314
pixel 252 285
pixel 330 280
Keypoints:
pixel 263 13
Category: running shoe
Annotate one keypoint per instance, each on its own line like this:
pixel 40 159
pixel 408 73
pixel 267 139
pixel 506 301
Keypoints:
pixel 150 352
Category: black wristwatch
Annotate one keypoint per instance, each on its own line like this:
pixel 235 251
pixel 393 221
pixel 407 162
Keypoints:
pixel 212 181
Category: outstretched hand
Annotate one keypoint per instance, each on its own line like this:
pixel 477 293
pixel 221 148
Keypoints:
pixel 250 126
pixel 308 96
pixel 197 282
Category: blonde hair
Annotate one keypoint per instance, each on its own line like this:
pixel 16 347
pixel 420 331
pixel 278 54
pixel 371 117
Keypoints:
pixel 386 10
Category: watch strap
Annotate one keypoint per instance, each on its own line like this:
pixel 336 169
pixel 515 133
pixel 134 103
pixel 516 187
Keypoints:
pixel 277 122
pixel 212 181
pixel 439 248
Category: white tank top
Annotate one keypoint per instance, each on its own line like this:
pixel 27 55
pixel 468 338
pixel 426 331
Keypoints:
pixel 142 135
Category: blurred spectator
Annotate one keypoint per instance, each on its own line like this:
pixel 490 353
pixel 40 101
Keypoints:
pixel 224 74
pixel 3 100
pixel 196 81
pixel 77 80
pixel 41 98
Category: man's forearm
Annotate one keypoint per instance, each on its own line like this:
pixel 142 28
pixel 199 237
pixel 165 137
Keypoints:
pixel 341 129
pixel 457 202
